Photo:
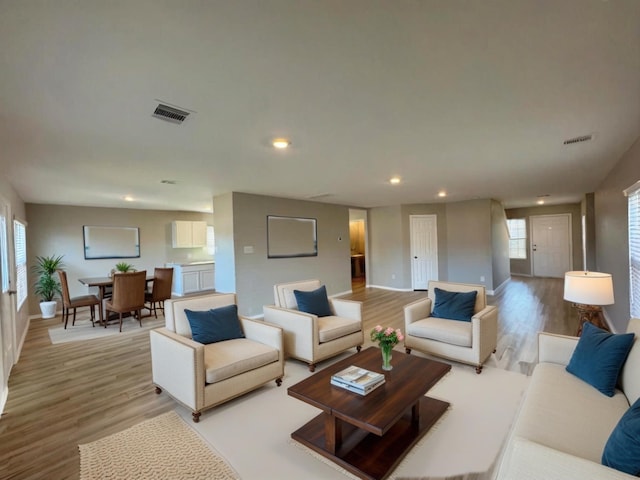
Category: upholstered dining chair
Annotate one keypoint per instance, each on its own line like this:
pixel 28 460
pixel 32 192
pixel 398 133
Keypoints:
pixel 69 302
pixel 128 295
pixel 160 291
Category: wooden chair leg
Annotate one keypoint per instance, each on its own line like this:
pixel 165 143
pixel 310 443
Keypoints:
pixel 65 316
pixel 140 316
pixel 74 317
pixel 120 321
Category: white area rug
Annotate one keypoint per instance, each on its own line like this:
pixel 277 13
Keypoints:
pixel 253 431
pixel 83 330
pixel 159 448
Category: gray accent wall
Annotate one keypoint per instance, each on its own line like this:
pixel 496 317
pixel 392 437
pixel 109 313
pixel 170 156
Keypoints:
pixel 472 243
pixel 499 245
pixel 244 254
pixel 612 233
pixel 57 230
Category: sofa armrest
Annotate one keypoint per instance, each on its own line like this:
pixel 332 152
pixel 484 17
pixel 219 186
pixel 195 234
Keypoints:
pixel 417 311
pixel 528 460
pixel 346 308
pixel 262 332
pixel 555 348
pixel 485 330
pixel 300 329
pixel 177 365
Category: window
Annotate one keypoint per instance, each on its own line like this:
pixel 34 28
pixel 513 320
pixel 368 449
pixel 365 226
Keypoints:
pixel 20 240
pixel 4 254
pixel 633 197
pixel 211 244
pixel 517 238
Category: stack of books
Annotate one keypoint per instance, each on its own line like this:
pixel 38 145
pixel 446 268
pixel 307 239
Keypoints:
pixel 357 379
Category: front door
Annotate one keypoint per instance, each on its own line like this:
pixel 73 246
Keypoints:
pixel 551 245
pixel 424 250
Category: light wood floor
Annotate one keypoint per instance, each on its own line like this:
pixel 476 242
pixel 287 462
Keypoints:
pixel 68 394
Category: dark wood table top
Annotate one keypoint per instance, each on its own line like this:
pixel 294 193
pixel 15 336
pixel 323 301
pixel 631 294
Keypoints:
pixel 408 381
pixel 102 281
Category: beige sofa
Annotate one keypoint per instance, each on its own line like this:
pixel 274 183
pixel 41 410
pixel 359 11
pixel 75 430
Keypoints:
pixel 308 337
pixel 467 342
pixel 564 423
pixel 203 376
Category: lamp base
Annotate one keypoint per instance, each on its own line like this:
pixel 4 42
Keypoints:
pixel 592 314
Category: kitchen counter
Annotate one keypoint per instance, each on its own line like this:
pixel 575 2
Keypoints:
pixel 192 277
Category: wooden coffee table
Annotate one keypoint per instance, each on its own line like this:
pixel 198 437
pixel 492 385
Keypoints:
pixel 369 435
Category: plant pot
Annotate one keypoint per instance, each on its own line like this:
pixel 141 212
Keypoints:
pixel 48 309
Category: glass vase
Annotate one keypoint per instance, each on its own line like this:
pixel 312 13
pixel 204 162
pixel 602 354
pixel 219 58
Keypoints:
pixel 386 356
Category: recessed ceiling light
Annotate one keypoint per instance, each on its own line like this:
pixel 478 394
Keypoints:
pixel 281 143
pixel 540 202
pixel 442 194
pixel 128 198
pixel 394 180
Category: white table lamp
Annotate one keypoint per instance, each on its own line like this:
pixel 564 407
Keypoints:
pixel 588 291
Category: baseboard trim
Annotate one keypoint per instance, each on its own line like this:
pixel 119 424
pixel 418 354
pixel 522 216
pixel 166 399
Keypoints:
pixel 390 288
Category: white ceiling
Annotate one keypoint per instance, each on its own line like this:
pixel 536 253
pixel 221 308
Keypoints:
pixel 473 97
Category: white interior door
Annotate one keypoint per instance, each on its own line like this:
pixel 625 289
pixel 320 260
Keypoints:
pixel 424 250
pixel 7 309
pixel 551 245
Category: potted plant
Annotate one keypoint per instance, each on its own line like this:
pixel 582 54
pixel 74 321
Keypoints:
pixel 123 267
pixel 46 285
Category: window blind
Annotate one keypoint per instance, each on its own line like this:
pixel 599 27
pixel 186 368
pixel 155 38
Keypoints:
pixel 517 237
pixel 20 243
pixel 633 196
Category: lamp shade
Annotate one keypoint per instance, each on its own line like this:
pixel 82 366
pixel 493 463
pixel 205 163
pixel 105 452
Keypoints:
pixel 588 288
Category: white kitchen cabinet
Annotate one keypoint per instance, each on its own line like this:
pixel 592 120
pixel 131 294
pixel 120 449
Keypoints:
pixel 192 277
pixel 186 234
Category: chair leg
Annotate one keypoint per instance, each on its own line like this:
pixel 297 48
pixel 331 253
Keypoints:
pixel 140 316
pixel 74 317
pixel 65 316
pixel 93 314
pixel 120 321
pixel 479 369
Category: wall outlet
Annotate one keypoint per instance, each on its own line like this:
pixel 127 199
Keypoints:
pixel 393 276
pixel 482 278
pixel 248 249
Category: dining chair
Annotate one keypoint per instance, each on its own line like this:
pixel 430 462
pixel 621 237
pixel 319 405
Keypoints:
pixel 69 302
pixel 160 291
pixel 128 295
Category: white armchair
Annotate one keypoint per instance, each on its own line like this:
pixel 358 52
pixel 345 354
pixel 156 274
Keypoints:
pixel 308 337
pixel 203 376
pixel 467 342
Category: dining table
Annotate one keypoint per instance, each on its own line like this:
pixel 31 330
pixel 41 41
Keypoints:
pixel 102 283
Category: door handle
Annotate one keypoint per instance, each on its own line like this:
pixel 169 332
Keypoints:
pixel 12 292
pixel 415 258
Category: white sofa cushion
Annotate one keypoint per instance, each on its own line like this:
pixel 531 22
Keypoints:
pixel 233 357
pixel 330 328
pixel 454 332
pixel 563 412
pixel 629 377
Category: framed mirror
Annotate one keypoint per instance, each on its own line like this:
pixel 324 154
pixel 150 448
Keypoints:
pixel 291 237
pixel 111 242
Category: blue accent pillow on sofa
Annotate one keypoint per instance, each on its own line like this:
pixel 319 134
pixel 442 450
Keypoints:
pixel 622 450
pixel 314 302
pixel 454 305
pixel 215 325
pixel 599 356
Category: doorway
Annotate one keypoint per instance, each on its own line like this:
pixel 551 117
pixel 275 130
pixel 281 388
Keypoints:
pixel 424 250
pixel 358 244
pixel 551 245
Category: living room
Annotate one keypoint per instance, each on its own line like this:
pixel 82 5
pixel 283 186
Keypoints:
pixel 388 72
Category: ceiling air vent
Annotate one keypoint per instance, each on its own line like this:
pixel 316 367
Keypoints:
pixel 170 114
pixel 582 138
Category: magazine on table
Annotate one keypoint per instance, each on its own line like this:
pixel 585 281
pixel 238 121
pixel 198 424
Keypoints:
pixel 357 389
pixel 358 379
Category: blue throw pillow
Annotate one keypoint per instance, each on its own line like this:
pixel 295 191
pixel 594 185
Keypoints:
pixel 314 302
pixel 622 450
pixel 454 305
pixel 599 356
pixel 215 325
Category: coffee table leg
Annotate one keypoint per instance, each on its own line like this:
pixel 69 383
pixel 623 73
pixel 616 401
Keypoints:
pixel 415 413
pixel 332 433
